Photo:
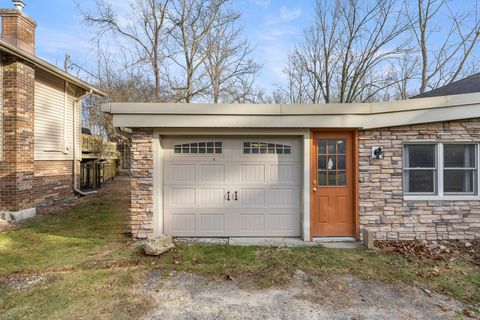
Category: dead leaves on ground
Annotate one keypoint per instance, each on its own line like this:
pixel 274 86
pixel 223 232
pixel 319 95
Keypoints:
pixel 445 250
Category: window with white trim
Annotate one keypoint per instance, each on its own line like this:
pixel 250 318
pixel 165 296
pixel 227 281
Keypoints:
pixel 420 168
pixel 210 147
pixel 443 169
pixel 460 168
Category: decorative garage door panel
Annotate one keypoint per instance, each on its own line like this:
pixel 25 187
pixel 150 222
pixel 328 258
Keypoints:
pixel 232 186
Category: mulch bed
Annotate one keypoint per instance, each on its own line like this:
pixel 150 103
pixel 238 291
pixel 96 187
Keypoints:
pixel 442 250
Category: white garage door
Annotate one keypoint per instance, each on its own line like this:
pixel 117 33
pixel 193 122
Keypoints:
pixel 236 187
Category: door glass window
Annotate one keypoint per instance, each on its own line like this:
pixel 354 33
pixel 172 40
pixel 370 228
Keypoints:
pixel 332 162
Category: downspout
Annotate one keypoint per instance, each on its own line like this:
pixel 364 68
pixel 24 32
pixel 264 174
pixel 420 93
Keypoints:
pixel 65 106
pixel 77 190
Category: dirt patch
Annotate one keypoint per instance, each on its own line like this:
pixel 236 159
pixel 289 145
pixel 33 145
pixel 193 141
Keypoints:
pixel 4 225
pixel 465 250
pixel 186 296
pixel 23 282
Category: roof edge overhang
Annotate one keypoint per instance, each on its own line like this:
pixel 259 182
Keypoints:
pixel 356 115
pixel 42 64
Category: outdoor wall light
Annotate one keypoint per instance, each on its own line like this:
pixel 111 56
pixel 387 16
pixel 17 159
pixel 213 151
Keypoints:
pixel 377 153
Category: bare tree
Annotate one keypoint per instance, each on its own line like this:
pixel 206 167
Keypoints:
pixel 122 82
pixel 445 39
pixel 350 42
pixel 192 21
pixel 143 32
pixel 404 73
pixel 229 69
pixel 298 83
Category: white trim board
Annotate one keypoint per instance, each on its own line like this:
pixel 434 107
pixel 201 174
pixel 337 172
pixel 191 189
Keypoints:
pixel 356 115
pixel 362 121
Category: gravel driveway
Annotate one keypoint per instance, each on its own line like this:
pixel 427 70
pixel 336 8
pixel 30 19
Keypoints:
pixel 187 296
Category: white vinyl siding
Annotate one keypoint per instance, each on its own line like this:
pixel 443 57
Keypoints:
pixel 53 121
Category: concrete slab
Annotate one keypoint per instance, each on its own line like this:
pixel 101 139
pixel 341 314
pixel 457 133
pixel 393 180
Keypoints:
pixel 342 245
pixel 273 242
pixel 334 243
pixel 334 239
pixel 202 240
pixel 18 215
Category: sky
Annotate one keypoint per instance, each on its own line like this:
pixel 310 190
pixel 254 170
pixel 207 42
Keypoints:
pixel 271 26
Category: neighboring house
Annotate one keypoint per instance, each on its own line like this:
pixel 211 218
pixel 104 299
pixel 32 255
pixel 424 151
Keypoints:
pixel 401 170
pixel 40 116
pixel 469 84
pixel 99 161
pixel 124 141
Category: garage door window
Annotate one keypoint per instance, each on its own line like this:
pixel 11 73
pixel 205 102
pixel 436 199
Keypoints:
pixel 210 147
pixel 265 148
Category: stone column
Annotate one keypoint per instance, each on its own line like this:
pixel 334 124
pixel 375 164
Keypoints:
pixel 141 221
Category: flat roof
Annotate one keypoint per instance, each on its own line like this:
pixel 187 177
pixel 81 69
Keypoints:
pixel 335 115
pixel 50 68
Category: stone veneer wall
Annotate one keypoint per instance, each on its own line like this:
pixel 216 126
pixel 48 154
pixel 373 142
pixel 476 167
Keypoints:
pixel 141 222
pixel 382 208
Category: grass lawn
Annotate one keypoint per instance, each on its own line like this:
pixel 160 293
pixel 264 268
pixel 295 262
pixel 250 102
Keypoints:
pixel 79 264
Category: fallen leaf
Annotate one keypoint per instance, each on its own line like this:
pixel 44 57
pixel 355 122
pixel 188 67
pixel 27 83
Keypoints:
pixel 428 292
pixel 443 307
pixel 468 313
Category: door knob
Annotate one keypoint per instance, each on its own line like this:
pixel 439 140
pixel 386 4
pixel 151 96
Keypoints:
pixel 228 195
pixel 235 196
pixel 314 185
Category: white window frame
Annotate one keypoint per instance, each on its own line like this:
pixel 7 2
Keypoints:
pixel 189 154
pixel 440 194
pixel 284 147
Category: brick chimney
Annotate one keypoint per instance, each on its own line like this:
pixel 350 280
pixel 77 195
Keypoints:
pixel 17 91
pixel 18 28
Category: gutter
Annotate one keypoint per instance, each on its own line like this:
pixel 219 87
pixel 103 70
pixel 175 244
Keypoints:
pixel 42 64
pixel 75 188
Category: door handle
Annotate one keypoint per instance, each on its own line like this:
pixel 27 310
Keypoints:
pixel 228 195
pixel 314 185
pixel 235 196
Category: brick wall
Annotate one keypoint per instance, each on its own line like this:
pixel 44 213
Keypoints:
pixel 24 182
pixel 382 208
pixel 53 181
pixel 1 109
pixel 141 222
pixel 18 29
pixel 16 170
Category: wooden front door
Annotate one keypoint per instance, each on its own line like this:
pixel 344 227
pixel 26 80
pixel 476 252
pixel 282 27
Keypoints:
pixel 332 185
